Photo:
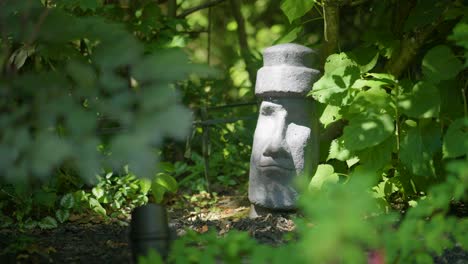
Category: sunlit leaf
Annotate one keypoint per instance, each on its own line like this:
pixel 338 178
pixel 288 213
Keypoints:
pixel 340 74
pixel 440 64
pixel 324 175
pixel 330 115
pixel 367 131
pixel 167 181
pixel 422 102
pixel 295 9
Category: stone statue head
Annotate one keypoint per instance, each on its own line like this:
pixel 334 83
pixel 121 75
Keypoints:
pixel 285 142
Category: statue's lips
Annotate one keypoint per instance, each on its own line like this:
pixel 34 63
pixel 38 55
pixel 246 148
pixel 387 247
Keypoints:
pixel 273 165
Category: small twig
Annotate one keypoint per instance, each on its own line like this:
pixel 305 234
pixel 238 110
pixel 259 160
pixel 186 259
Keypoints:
pixel 205 149
pixel 465 106
pixel 38 26
pixel 200 7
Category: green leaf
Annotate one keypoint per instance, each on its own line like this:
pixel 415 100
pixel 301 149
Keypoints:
pixel 414 154
pixel 373 100
pixel 440 64
pixel 30 224
pixel 145 185
pixel 422 102
pixel 340 74
pixel 456 139
pixel 366 131
pixel 365 57
pixel 377 157
pixel 324 175
pixel 460 36
pixel 62 215
pixel 338 151
pixel 295 9
pixel 330 115
pixel 67 201
pixel 98 192
pixel 96 206
pixel 289 36
pixel 158 192
pixel 48 222
pixel 167 181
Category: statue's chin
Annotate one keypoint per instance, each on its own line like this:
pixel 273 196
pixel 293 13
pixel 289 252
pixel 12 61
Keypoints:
pixel 271 187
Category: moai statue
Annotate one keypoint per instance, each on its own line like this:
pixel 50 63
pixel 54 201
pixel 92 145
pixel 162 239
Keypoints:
pixel 285 144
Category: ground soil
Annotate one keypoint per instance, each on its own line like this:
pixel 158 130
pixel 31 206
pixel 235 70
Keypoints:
pixel 91 240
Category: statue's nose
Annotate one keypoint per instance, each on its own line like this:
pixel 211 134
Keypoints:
pixel 277 147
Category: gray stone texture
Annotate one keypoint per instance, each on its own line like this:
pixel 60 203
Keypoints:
pixel 285 144
pixel 286 71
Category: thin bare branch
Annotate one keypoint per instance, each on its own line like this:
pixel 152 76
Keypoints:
pixel 200 7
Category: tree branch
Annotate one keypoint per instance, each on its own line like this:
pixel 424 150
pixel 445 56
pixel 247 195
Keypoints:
pixel 172 8
pixel 244 46
pixel 409 47
pixel 331 30
pixel 200 7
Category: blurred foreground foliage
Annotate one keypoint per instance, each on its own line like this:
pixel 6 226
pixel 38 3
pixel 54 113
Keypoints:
pixel 98 87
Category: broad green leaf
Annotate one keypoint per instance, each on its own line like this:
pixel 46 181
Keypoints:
pixel 340 74
pixel 98 192
pixel 338 151
pixel 422 102
pixel 440 64
pixel 62 215
pixel 158 192
pixel 145 185
pixel 365 57
pixel 377 157
pixel 414 154
pixel 366 131
pixel 96 206
pixel 375 100
pixel 456 139
pixel 48 222
pixel 460 36
pixel 30 224
pixel 323 175
pixel 167 181
pixel 67 201
pixel 289 36
pixel 330 115
pixel 295 9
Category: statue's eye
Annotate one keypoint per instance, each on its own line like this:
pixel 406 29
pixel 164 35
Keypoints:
pixel 267 110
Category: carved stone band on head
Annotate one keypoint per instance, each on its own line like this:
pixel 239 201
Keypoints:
pixel 286 71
